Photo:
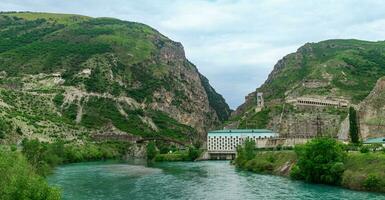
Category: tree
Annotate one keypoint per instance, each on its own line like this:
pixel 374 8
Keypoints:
pixel 353 128
pixel 151 150
pixel 193 153
pixel 320 161
pixel 18 180
pixel 249 149
pixel 245 152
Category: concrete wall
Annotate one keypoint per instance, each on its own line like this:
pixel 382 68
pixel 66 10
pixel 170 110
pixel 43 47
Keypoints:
pixel 285 142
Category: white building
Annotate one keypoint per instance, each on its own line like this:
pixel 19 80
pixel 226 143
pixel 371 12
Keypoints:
pixel 225 142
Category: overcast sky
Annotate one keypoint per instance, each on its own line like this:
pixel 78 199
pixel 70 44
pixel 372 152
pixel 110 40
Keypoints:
pixel 234 43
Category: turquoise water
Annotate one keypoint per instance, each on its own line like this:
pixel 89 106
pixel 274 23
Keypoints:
pixel 209 180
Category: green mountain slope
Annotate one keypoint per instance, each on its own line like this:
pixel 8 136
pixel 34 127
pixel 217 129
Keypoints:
pixel 350 68
pixel 332 69
pixel 70 76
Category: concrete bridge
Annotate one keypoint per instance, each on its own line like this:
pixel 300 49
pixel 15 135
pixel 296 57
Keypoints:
pixel 133 138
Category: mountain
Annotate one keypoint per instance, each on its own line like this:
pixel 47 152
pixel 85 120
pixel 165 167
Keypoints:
pixel 334 71
pixel 70 76
pixel 372 112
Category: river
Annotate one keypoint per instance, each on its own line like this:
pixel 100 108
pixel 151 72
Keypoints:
pixel 211 180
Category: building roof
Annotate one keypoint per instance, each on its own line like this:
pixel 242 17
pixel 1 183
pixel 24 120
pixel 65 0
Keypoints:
pixel 375 140
pixel 242 132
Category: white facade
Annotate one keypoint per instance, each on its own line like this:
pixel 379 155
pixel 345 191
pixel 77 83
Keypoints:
pixel 228 140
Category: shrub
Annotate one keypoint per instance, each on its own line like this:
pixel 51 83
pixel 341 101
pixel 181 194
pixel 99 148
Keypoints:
pixel 4 128
pixel 19 131
pixel 351 147
pixel 249 149
pixel 372 182
pixel 320 161
pixel 364 149
pixel 193 153
pixel 45 156
pixel 375 146
pixel 259 166
pixel 245 152
pixel 176 156
pixel 151 151
pixel 19 181
pixel 296 173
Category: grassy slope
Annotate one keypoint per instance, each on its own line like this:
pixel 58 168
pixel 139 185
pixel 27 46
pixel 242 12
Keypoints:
pixel 365 171
pixel 271 162
pixel 354 67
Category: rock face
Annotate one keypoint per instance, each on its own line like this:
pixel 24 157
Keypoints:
pixel 338 71
pixel 372 112
pixel 69 76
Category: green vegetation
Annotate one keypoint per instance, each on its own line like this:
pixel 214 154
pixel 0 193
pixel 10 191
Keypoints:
pixel 189 154
pixel 320 161
pixel 256 119
pixel 180 155
pixel 23 172
pixel 4 128
pixel 353 128
pixel 269 162
pixel 46 58
pixel 353 65
pixel 365 171
pixel 160 151
pixel 45 156
pixel 19 181
pixel 245 152
pixel 151 150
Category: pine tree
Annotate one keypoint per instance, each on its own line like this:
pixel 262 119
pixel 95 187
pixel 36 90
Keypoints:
pixel 353 128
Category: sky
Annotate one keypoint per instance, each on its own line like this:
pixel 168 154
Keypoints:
pixel 234 43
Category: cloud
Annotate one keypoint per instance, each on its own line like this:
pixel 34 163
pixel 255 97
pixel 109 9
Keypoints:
pixel 235 43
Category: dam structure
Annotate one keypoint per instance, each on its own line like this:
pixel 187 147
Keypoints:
pixel 222 144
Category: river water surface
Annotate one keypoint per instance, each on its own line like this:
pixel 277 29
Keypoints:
pixel 211 180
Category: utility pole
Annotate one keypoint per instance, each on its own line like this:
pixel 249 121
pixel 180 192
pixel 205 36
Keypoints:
pixel 319 124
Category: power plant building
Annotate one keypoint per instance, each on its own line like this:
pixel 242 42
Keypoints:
pixel 221 142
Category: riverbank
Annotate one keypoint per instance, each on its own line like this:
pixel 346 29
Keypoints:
pixel 24 170
pixel 362 171
pixel 162 153
pixel 19 180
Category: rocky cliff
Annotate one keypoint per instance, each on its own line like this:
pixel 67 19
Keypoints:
pixel 308 91
pixel 372 112
pixel 70 76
